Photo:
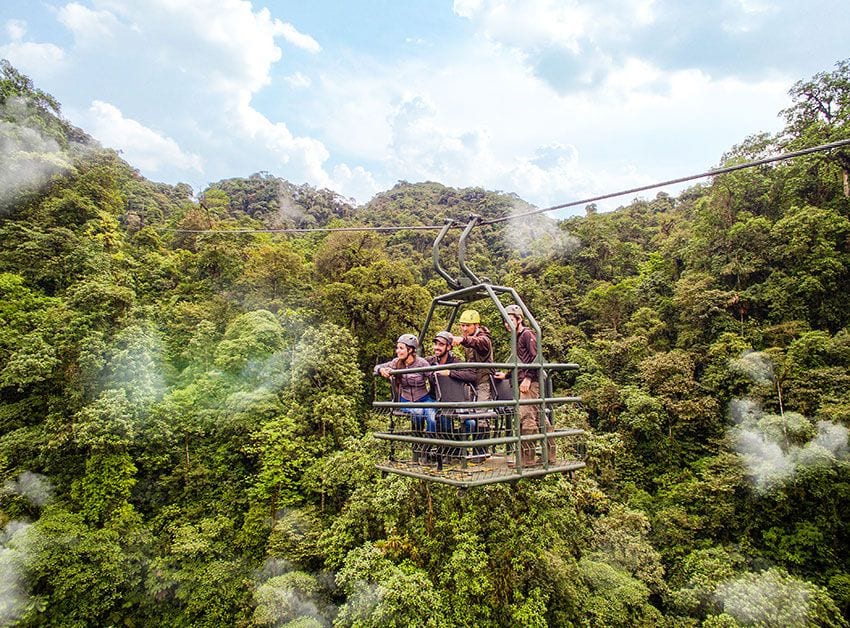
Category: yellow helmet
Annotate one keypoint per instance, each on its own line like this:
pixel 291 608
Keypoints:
pixel 470 316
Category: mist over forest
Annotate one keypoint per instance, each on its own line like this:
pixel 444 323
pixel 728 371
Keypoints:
pixel 185 395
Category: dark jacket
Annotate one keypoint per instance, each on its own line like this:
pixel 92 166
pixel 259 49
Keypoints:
pixel 464 375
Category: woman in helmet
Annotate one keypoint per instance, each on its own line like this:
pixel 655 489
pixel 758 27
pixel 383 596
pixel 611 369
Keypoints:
pixel 411 386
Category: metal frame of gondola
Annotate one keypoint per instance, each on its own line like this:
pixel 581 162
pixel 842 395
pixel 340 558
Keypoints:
pixel 466 289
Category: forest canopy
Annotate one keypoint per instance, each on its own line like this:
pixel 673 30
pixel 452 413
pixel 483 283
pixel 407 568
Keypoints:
pixel 185 399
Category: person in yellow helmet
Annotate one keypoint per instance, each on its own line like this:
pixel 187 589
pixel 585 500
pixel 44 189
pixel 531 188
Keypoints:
pixel 477 344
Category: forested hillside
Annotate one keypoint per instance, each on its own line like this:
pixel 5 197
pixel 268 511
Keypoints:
pixel 185 420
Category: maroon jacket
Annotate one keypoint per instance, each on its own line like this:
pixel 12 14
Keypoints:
pixel 479 348
pixel 526 352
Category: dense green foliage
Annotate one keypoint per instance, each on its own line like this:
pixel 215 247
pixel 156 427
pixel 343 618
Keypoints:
pixel 185 424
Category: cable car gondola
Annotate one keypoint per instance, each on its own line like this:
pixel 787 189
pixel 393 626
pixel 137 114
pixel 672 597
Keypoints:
pixel 479 442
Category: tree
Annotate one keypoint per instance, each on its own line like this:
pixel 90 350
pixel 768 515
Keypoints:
pixel 775 598
pixel 821 114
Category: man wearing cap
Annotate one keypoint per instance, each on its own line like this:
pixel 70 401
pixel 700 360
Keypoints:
pixel 529 384
pixel 477 346
pixel 443 355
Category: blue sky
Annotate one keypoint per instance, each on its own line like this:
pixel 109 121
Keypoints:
pixel 553 101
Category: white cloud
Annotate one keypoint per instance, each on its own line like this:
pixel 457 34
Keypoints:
pixel 224 41
pixel 16 29
pixel 298 80
pixel 208 56
pixel 555 101
pixel 33 58
pixel 566 44
pixel 576 45
pixel 88 26
pixel 357 182
pixel 203 61
pixel 300 40
pixel 27 56
pixel 425 149
pixel 467 8
pixel 142 147
pixel 484 119
pixel 304 156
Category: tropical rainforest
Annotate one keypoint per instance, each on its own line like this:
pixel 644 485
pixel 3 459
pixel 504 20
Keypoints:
pixel 186 386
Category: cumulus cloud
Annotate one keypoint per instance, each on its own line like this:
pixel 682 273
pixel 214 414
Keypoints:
pixel 553 101
pixel 485 119
pixel 567 45
pixel 223 40
pixel 296 38
pixel 88 26
pixel 143 147
pixel 28 56
pixel 303 155
pixel 424 149
pixel 204 60
pixel 357 182
pixel 16 29
pixel 577 44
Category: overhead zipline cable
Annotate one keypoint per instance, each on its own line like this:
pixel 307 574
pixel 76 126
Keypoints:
pixel 709 173
pixel 586 201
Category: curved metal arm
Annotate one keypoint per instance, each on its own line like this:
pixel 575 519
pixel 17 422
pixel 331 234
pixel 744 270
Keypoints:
pixel 474 219
pixel 453 283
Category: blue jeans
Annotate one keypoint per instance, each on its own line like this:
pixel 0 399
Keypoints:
pixel 422 416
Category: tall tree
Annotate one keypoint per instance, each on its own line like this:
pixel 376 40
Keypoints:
pixel 821 113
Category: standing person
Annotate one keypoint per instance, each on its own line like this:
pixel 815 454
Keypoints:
pixel 529 384
pixel 443 355
pixel 477 346
pixel 411 386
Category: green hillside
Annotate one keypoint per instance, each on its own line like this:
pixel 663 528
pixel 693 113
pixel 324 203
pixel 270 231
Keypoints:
pixel 185 418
